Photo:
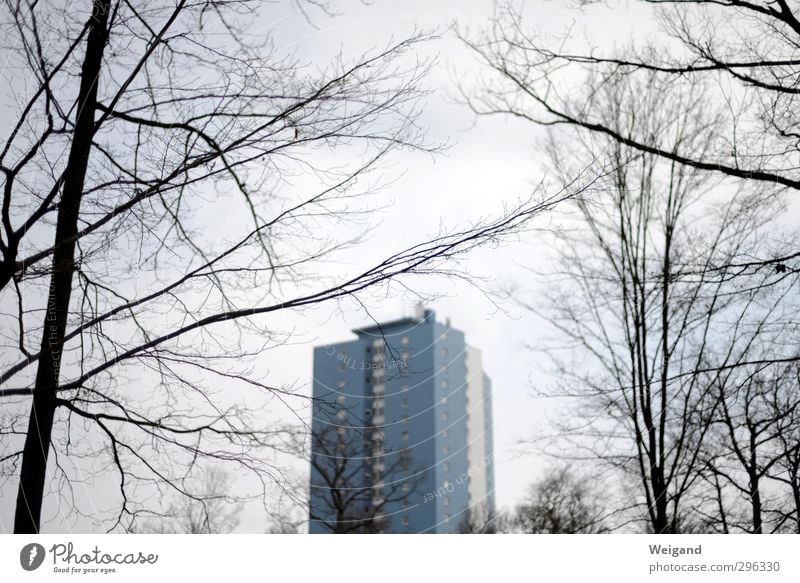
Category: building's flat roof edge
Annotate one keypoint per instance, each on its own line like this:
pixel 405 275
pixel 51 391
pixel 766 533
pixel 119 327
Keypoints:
pixel 377 328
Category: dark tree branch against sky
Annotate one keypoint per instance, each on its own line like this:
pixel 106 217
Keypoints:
pixel 741 51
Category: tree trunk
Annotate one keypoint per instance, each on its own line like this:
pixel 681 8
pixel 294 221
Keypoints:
pixel 661 524
pixel 37 440
pixel 796 496
pixel 755 493
pixel 755 498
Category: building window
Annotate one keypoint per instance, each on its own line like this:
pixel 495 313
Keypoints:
pixel 404 340
pixel 341 415
pixel 447 518
pixel 444 383
pixel 404 403
pixel 444 400
pixel 446 466
pixel 405 520
pixel 342 384
pixel 404 356
pixel 406 486
pixel 404 387
pixel 405 419
pixel 445 448
pixel 405 436
pixel 405 461
pixel 378 344
pixel 341 399
pixel 445 416
pixel 405 503
pixel 445 432
pixel 446 501
pixel 444 352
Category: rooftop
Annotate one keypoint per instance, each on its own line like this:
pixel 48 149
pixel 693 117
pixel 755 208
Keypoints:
pixel 378 329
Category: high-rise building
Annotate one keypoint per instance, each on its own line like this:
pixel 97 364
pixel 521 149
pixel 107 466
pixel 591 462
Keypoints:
pixel 401 431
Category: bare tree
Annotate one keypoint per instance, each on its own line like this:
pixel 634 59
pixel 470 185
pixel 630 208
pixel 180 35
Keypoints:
pixel 560 502
pixel 478 521
pixel 788 470
pixel 281 527
pixel 673 283
pixel 655 336
pixel 347 497
pixel 210 509
pixel 756 419
pixel 135 314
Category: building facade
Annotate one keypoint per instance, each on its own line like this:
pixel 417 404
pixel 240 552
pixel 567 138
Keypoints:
pixel 401 431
